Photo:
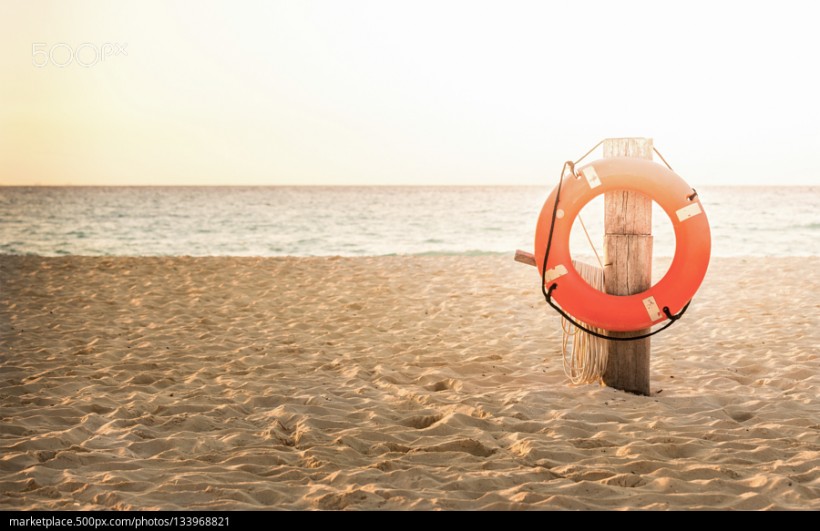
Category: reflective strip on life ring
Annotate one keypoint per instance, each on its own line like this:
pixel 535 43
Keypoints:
pixel 674 290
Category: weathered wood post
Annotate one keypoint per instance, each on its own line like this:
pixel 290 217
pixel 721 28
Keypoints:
pixel 628 266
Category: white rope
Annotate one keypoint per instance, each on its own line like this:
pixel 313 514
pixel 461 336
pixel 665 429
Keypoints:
pixel 585 356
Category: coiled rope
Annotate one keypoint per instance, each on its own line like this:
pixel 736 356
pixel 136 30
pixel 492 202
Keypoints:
pixel 584 355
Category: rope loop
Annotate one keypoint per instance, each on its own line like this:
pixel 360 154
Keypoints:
pixel 672 318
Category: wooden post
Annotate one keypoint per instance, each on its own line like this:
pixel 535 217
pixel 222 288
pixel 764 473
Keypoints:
pixel 628 266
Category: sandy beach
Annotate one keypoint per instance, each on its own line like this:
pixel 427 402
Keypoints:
pixel 391 383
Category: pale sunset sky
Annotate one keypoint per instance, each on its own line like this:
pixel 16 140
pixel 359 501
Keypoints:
pixel 415 92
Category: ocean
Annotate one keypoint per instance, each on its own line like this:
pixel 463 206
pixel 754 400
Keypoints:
pixel 366 221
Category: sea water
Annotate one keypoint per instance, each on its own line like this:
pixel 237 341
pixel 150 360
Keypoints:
pixel 362 221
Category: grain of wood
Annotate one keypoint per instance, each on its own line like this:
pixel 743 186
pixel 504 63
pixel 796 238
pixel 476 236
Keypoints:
pixel 628 266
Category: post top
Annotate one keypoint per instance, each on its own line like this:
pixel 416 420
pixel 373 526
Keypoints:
pixel 628 147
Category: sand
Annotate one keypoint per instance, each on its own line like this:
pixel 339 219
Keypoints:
pixel 391 383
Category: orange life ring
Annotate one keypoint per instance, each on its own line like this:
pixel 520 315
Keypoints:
pixel 692 244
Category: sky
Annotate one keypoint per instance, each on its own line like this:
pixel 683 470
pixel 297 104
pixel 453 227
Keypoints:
pixel 391 93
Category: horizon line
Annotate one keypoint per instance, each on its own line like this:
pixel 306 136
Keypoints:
pixel 379 185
